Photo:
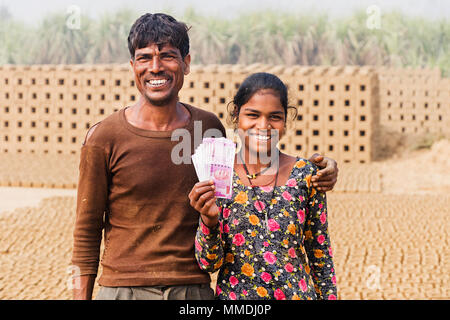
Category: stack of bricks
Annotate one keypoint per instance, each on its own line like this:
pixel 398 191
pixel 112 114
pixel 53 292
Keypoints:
pixel 48 109
pixel 336 106
pixel 414 101
pixel 337 112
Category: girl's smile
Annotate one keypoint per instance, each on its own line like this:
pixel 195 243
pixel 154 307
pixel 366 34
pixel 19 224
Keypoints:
pixel 262 119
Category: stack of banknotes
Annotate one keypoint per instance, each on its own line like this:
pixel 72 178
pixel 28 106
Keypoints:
pixel 214 159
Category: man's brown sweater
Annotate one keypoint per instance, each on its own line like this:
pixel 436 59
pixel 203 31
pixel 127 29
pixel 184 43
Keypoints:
pixel 130 187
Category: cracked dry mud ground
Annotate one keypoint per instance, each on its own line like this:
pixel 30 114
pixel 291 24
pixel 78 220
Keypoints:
pixel 385 247
pixel 389 223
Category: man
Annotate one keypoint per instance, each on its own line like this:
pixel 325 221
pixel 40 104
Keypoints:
pixel 130 187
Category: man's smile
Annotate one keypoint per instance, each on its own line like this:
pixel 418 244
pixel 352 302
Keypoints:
pixel 156 82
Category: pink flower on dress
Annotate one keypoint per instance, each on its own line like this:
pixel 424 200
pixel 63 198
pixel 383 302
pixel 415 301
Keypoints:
pixel 333 279
pixel 301 215
pixel 270 257
pixel 321 239
pixel 234 281
pixel 244 292
pixel 226 228
pixel 232 296
pixel 238 239
pixel 291 182
pixel 266 244
pixel 198 246
pixel 205 229
pixel 204 262
pixel 235 222
pixel 273 225
pixel 259 205
pixel 302 285
pixel 288 267
pixel 226 213
pixel 320 205
pixel 266 277
pixel 279 295
pixel 323 217
pixel 287 196
pixel 292 253
pixel 218 290
pixel 332 297
pixel 330 252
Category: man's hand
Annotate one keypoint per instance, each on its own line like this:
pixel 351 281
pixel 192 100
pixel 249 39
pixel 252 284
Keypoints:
pixel 83 287
pixel 326 178
pixel 203 200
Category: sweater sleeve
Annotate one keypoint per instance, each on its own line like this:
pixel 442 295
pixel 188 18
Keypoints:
pixel 208 247
pixel 318 246
pixel 92 195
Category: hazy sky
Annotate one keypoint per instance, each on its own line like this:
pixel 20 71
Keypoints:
pixel 32 11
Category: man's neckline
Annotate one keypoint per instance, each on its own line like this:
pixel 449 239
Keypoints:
pixel 153 133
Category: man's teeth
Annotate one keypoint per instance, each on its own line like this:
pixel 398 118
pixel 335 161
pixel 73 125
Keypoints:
pixel 265 138
pixel 156 83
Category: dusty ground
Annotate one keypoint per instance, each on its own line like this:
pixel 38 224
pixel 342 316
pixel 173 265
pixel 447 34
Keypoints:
pixel 19 197
pixel 389 224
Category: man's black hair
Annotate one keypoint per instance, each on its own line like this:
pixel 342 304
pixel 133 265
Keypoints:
pixel 158 28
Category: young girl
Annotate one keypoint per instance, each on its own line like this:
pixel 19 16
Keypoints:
pixel 270 240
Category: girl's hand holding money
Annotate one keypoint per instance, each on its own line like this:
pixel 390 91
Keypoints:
pixel 203 200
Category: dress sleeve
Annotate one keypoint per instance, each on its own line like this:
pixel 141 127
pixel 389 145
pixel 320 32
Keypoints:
pixel 208 247
pixel 318 246
pixel 92 195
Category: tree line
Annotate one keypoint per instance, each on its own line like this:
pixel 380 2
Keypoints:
pixel 264 36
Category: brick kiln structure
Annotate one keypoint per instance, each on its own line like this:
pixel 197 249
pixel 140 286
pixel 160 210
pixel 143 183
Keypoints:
pixel 47 109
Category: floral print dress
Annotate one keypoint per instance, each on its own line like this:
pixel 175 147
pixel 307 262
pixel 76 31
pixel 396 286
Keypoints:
pixel 283 255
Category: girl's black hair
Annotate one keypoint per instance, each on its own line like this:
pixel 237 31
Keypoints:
pixel 161 29
pixel 254 83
